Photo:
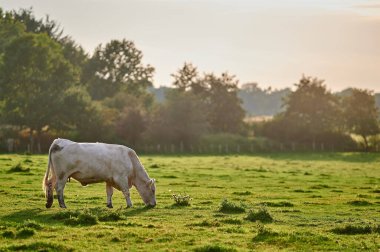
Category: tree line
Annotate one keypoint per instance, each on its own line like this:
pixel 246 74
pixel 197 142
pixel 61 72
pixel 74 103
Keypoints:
pixel 50 87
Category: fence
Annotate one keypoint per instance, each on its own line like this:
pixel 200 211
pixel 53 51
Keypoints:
pixel 244 148
pixel 224 148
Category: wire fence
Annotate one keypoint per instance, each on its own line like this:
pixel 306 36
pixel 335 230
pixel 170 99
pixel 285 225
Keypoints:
pixel 246 148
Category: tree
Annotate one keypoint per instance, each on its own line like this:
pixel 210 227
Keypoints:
pixel 131 125
pixel 33 78
pixel 187 78
pixel 33 25
pixel 361 114
pixel 115 67
pixel 313 109
pixel 224 111
pixel 180 120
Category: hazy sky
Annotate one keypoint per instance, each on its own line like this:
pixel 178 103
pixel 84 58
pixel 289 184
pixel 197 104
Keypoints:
pixel 269 42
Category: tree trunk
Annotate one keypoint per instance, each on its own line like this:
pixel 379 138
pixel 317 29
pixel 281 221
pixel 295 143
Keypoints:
pixel 39 141
pixel 365 143
pixel 31 140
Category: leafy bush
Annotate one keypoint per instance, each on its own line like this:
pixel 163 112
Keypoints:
pixel 262 215
pixel 230 207
pixel 181 200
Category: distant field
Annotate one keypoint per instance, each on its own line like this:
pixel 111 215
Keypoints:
pixel 306 202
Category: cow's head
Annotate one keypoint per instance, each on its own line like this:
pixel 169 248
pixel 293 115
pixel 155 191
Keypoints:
pixel 148 193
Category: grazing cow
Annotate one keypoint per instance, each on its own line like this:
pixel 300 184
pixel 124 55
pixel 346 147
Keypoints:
pixel 89 163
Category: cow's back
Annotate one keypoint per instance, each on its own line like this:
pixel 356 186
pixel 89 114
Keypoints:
pixel 91 162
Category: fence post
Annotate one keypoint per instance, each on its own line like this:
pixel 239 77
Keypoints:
pixel 181 146
pixel 293 147
pixel 226 148
pixel 220 148
pixel 322 147
pixel 238 148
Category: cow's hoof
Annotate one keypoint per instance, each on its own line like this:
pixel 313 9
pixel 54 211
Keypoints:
pixel 63 206
pixel 109 206
pixel 48 205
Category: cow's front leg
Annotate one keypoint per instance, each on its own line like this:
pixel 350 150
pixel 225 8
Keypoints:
pixel 123 186
pixel 109 190
pixel 60 186
pixel 127 196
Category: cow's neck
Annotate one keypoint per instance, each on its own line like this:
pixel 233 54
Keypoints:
pixel 140 178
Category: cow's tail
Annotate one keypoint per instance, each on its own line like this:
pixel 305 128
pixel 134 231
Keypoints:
pixel 48 183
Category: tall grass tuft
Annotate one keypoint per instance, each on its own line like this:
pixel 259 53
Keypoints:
pixel 262 214
pixel 214 248
pixel 230 207
pixel 18 168
pixel 350 229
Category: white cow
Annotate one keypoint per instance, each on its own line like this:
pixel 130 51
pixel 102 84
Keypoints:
pixel 89 163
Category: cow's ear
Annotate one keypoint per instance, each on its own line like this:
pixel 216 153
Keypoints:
pixel 151 182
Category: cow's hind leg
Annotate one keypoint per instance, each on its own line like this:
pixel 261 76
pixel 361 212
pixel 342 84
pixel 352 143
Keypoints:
pixel 109 190
pixel 60 186
pixel 123 185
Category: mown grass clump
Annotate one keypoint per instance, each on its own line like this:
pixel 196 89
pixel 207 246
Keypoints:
pixel 84 219
pixel 320 186
pixel 181 199
pixel 359 203
pixel 18 168
pixel 264 233
pixel 30 224
pixel 206 223
pixel 353 229
pixel 278 204
pixel 8 234
pixel 232 221
pixel 39 246
pixel 302 191
pixel 65 214
pixel 242 193
pixel 88 216
pixel 25 233
pixel 262 214
pixel 111 216
pixel 214 248
pixel 231 207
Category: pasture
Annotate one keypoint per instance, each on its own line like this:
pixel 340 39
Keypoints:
pixel 296 202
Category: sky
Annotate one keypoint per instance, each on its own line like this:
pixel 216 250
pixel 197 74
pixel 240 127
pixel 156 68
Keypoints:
pixel 272 43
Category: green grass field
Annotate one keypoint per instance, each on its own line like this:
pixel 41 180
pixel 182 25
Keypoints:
pixel 295 202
